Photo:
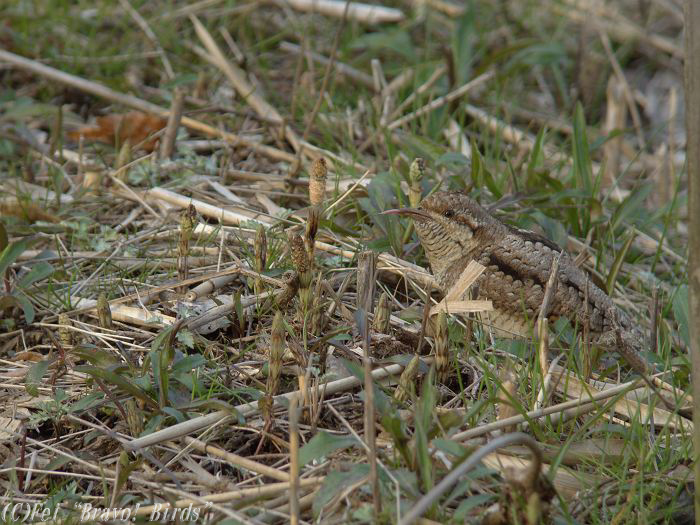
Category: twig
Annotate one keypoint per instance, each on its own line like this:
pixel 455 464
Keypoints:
pixel 294 460
pixel 369 14
pixel 236 460
pixel 549 291
pixel 369 409
pixel 445 99
pixel 629 96
pixel 168 145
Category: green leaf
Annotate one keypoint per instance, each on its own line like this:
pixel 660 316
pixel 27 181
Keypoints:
pixel 162 355
pixel 26 306
pixel 215 404
pixel 452 158
pixel 472 502
pixel 186 338
pixel 477 166
pixel 396 428
pixel 617 263
pixel 126 468
pixel 681 313
pixel 38 272
pixel 582 157
pixel 464 37
pixel 188 363
pixel 35 375
pixel 160 339
pixel 323 444
pixel 539 53
pixel 450 447
pixel 632 205
pixel 11 252
pixel 175 413
pixel 87 402
pixel 535 160
pixel 395 39
pixel 117 380
pixel 95 356
pixel 335 483
pixel 3 237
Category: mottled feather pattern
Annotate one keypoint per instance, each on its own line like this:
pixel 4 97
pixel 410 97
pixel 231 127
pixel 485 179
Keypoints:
pixel 518 264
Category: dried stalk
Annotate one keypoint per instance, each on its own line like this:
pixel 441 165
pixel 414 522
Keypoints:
pixel 167 146
pixel 260 249
pixel 294 460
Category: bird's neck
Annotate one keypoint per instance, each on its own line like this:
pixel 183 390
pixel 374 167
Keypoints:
pixel 447 258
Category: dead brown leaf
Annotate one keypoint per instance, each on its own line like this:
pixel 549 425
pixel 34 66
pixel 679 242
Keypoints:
pixel 26 210
pixel 134 126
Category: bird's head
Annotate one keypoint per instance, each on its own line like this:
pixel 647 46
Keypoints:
pixel 450 226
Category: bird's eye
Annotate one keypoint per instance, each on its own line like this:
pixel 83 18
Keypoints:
pixel 448 214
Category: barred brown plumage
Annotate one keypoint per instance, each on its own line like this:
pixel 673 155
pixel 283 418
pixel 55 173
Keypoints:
pixel 454 230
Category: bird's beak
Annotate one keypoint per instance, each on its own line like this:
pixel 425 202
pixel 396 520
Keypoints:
pixel 413 213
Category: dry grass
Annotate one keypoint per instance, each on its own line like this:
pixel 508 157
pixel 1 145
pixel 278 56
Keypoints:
pixel 262 201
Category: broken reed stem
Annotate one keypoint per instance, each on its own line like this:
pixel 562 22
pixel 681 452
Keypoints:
pixel 131 101
pixel 369 419
pixel 549 291
pixel 588 358
pixel 236 460
pixel 260 249
pixel 366 280
pixel 123 160
pixel 543 349
pixel 441 101
pixel 294 460
pixel 167 146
